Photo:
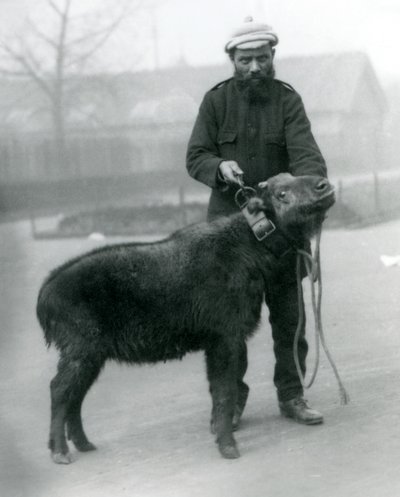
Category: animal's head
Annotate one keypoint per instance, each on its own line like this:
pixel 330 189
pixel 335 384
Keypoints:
pixel 296 204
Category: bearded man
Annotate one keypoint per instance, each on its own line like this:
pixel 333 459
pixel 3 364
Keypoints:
pixel 252 127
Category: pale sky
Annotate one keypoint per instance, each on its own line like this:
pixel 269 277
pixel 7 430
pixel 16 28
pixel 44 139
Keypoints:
pixel 198 29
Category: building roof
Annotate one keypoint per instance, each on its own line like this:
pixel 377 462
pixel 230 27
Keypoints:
pixel 331 82
pixel 328 83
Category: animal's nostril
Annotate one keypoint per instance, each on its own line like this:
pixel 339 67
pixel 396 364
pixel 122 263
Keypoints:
pixel 322 185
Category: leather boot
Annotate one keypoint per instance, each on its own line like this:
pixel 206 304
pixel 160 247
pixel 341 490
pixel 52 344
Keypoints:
pixel 299 410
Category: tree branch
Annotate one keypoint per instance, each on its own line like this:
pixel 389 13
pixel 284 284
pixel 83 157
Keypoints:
pixel 60 59
pixel 29 70
pixel 91 31
pixel 102 36
pixel 40 35
pixel 55 7
pixel 31 59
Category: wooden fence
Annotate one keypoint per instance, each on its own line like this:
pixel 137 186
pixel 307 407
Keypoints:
pixel 367 198
pixel 107 170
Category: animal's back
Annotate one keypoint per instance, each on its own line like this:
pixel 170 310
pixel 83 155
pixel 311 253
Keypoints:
pixel 102 281
pixel 136 296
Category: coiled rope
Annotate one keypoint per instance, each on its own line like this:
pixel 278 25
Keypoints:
pixel 313 266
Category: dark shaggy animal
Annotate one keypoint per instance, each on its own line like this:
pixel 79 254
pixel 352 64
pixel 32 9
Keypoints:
pixel 200 289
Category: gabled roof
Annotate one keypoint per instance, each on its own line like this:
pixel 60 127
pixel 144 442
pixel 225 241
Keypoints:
pixel 330 82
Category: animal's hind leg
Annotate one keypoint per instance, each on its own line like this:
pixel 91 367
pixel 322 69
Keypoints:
pixel 75 430
pixel 57 442
pixel 68 388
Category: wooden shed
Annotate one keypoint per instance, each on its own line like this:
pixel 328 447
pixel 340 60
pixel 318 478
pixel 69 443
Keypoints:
pixel 346 106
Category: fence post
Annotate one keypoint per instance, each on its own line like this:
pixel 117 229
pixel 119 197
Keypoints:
pixel 32 223
pixel 377 203
pixel 182 207
pixel 339 196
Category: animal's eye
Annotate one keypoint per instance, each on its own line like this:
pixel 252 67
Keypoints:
pixel 282 195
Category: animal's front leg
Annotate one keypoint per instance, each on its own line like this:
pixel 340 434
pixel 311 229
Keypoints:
pixel 242 387
pixel 222 375
pixel 242 391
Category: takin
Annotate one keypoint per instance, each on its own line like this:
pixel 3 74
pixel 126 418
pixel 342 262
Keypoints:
pixel 199 289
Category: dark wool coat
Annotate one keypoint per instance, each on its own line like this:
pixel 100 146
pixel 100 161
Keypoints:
pixel 264 138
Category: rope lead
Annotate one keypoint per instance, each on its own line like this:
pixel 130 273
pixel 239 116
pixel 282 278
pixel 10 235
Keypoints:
pixel 313 267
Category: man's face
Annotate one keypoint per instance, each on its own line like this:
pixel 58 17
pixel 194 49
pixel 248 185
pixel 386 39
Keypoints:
pixel 255 63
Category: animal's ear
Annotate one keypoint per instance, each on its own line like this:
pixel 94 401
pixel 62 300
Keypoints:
pixel 255 205
pixel 263 185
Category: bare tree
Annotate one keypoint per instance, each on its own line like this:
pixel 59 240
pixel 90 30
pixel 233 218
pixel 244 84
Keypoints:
pixel 52 54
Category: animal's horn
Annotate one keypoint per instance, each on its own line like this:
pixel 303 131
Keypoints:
pixel 263 184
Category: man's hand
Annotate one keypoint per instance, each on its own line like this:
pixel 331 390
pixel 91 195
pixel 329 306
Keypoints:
pixel 230 172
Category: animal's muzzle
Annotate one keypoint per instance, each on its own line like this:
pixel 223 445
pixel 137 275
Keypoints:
pixel 323 186
pixel 324 196
pixel 324 190
pixel 326 200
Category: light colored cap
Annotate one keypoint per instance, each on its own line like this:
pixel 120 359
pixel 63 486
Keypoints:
pixel 251 34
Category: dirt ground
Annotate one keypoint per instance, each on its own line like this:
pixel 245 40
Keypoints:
pixel 150 423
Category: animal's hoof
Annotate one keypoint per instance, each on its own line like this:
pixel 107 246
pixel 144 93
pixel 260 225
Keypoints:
pixel 229 451
pixel 59 458
pixel 85 446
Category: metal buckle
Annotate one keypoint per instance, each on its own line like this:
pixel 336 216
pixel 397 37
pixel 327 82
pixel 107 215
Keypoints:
pixel 242 196
pixel 263 228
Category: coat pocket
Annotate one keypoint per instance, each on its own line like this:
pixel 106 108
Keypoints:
pixel 276 153
pixel 275 138
pixel 227 144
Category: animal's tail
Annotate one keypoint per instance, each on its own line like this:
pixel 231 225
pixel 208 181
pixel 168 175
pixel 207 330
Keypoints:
pixel 50 307
pixel 45 313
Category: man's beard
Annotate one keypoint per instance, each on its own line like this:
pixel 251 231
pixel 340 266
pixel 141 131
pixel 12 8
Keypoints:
pixel 254 88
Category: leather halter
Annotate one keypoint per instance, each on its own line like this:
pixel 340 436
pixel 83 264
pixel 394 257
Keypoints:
pixel 261 226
